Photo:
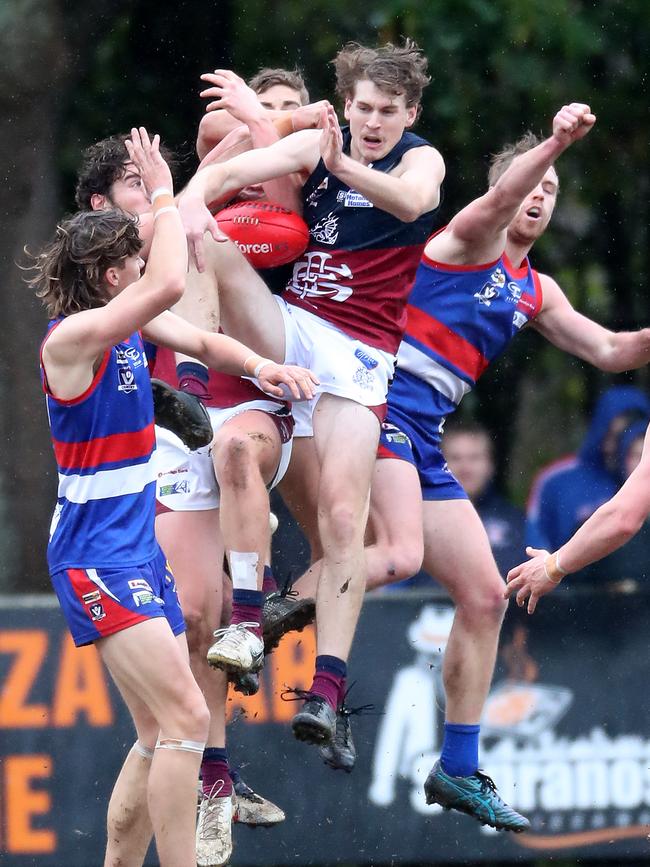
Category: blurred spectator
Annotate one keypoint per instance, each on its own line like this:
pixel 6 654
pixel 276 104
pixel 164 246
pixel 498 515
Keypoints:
pixel 629 566
pixel 469 454
pixel 568 491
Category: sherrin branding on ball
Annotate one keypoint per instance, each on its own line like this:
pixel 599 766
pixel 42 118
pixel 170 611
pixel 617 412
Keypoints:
pixel 267 234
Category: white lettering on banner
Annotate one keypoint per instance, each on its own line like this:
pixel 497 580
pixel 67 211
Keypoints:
pixel 563 784
pixel 313 277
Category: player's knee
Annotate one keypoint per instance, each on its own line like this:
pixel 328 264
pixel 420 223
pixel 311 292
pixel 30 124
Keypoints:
pixel 484 604
pixel 235 460
pixel 403 561
pixel 340 526
pixel 192 717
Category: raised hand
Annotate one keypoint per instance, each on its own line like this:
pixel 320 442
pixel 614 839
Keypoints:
pixel 197 220
pixel 573 122
pixel 331 139
pixel 146 157
pixel 230 93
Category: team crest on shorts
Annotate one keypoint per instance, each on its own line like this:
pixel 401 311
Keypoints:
pixel 364 378
pixel 97 611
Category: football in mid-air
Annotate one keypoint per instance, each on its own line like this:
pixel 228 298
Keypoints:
pixel 267 234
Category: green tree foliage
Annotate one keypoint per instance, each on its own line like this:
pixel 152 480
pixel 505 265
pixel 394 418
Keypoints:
pixel 498 67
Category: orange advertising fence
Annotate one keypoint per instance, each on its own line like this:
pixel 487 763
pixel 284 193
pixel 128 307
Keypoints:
pixel 565 735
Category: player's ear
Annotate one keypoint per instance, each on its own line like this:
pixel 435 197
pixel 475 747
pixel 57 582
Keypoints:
pixel 99 202
pixel 346 109
pixel 111 277
pixel 411 115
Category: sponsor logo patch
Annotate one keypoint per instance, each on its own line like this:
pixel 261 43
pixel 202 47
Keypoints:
pixel 175 488
pixel 93 596
pixel 366 359
pixel 353 199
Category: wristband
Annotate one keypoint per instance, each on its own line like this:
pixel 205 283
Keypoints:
pixel 160 191
pixel 258 368
pixel 262 362
pixel 163 201
pixel 552 569
pixel 166 210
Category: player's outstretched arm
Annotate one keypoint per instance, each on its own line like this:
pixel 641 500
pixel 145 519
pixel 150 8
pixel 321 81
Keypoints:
pixel 610 527
pixel 215 183
pixel 230 356
pixel 572 332
pixel 239 101
pixel 407 193
pixel 84 336
pixel 481 225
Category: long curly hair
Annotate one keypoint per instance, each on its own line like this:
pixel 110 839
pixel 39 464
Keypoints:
pixel 69 271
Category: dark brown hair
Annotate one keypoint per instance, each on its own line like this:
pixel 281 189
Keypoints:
pixel 395 69
pixel 500 161
pixel 267 78
pixel 102 164
pixel 69 271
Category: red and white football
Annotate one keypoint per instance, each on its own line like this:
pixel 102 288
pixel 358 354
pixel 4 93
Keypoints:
pixel 267 234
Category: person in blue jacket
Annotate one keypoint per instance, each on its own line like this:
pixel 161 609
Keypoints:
pixel 568 491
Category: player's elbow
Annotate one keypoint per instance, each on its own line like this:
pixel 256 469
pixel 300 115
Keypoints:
pixel 624 521
pixel 172 289
pixel 411 209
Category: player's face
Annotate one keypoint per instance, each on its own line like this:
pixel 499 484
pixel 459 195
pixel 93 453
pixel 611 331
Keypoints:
pixel 534 215
pixel 125 274
pixel 128 192
pixel 377 121
pixel 280 97
pixel 469 459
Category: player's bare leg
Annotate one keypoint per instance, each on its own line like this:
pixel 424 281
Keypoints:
pixel 174 700
pixel 293 607
pixel 395 522
pixel 246 453
pixel 248 310
pixel 193 545
pixel 457 552
pixel 396 552
pixel 299 490
pixel 342 513
pixel 128 826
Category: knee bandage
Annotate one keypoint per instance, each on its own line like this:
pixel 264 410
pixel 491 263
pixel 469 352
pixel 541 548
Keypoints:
pixel 177 744
pixel 145 752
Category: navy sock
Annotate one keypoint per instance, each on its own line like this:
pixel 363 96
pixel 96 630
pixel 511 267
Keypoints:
pixel 215 778
pixel 247 608
pixel 215 754
pixel 330 675
pixel 459 756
